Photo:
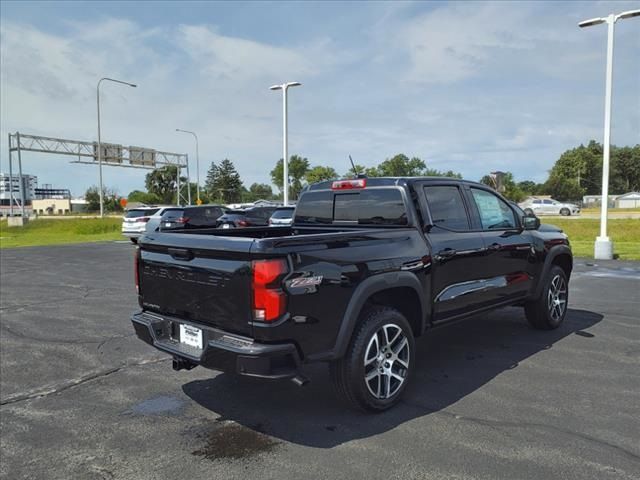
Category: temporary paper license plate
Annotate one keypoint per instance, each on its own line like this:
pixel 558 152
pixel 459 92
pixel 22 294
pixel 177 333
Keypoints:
pixel 191 336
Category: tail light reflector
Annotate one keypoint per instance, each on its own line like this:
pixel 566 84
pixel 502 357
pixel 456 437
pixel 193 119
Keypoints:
pixel 242 223
pixel 143 219
pixel 183 220
pixel 349 184
pixel 269 300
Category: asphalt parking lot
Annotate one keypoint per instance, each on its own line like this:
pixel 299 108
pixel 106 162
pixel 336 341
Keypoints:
pixel 81 397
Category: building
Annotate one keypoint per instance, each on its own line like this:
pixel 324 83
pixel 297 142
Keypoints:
pixel 593 201
pixel 628 200
pixel 52 201
pixel 9 184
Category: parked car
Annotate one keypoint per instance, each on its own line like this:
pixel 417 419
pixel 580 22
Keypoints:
pixel 282 216
pixel 249 217
pixel 549 206
pixel 177 218
pixel 544 227
pixel 134 222
pixel 367 265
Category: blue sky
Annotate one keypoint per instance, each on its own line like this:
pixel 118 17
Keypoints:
pixel 470 86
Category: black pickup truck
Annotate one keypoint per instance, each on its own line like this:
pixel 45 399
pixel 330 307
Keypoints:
pixel 367 265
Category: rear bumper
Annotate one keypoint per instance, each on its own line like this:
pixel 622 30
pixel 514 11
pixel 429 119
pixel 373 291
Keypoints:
pixel 222 350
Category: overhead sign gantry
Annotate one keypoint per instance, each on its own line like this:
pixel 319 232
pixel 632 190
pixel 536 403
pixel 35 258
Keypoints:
pixel 87 153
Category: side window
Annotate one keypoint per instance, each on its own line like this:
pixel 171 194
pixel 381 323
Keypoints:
pixel 548 202
pixel 446 207
pixel 537 202
pixel 495 214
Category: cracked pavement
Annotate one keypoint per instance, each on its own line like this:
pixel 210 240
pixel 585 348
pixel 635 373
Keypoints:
pixel 81 397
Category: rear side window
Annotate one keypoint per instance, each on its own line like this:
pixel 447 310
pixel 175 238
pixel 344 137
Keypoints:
pixel 171 215
pixel 446 207
pixel 203 215
pixel 147 212
pixel 365 207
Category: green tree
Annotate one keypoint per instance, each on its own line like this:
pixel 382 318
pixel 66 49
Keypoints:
pixel 401 166
pixel 257 191
pixel 508 187
pixel 110 198
pixel 298 168
pixel 564 189
pixel 142 197
pixel 319 173
pixel 223 182
pixel 162 183
pixel 432 172
pixel 625 169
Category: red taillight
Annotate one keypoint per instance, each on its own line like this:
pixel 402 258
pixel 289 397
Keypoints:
pixel 349 184
pixel 242 223
pixel 136 269
pixel 183 220
pixel 143 219
pixel 269 301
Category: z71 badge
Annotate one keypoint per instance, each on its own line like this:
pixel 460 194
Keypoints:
pixel 305 282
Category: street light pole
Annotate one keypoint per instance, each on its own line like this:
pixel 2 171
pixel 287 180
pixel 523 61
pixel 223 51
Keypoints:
pixel 603 248
pixel 99 139
pixel 285 136
pixel 198 202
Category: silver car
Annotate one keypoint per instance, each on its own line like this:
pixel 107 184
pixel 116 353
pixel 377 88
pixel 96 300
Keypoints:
pixel 282 216
pixel 549 206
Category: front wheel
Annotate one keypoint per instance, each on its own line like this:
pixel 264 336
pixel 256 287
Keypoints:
pixel 565 212
pixel 548 311
pixel 379 361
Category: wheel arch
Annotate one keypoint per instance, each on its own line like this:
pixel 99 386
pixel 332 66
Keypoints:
pixel 559 255
pixel 400 290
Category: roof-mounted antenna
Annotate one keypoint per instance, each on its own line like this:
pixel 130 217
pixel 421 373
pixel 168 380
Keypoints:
pixel 355 171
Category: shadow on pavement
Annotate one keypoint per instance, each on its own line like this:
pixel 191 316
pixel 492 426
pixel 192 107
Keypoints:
pixel 452 362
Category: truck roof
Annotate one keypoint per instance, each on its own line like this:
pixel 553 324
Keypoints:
pixel 391 181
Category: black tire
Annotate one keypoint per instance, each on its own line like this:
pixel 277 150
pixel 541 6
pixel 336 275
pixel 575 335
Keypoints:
pixel 348 373
pixel 133 240
pixel 565 212
pixel 548 311
pixel 529 212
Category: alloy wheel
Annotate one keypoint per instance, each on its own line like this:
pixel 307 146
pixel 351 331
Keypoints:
pixel 557 298
pixel 386 361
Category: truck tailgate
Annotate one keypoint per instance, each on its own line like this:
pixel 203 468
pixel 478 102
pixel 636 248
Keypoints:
pixel 208 282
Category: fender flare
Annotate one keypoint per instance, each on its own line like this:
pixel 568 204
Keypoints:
pixel 548 261
pixel 361 294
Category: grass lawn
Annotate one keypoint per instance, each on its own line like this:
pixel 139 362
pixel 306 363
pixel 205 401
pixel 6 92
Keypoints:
pixel 625 234
pixel 582 232
pixel 67 230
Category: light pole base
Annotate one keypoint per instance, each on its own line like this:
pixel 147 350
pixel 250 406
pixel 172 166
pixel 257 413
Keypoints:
pixel 603 248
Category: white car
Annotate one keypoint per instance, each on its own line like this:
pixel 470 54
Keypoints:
pixel 134 223
pixel 549 206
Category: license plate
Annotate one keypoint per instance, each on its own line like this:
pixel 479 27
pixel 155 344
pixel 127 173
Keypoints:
pixel 226 225
pixel 167 224
pixel 191 336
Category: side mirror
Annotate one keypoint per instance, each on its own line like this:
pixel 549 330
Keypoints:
pixel 530 222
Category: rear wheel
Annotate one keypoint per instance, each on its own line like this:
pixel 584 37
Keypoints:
pixel 565 212
pixel 379 361
pixel 548 311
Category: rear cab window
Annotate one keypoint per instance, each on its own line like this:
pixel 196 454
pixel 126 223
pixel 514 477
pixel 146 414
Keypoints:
pixel 369 206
